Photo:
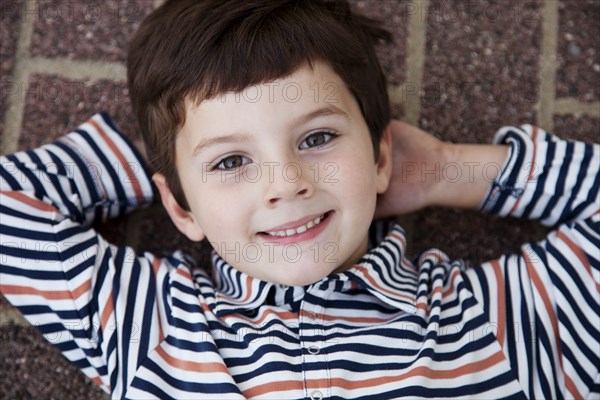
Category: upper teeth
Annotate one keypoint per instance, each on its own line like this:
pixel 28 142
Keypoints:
pixel 300 229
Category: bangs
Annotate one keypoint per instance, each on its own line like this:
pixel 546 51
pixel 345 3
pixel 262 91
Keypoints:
pixel 196 50
pixel 269 44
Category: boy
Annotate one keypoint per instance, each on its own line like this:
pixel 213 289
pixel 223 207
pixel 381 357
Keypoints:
pixel 268 126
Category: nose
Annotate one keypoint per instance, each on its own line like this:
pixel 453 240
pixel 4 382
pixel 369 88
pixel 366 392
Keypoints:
pixel 289 182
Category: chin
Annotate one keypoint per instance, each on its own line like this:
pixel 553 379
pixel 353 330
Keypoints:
pixel 306 276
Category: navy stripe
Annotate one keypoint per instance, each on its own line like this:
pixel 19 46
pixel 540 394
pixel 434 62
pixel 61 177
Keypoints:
pixel 106 167
pixel 379 336
pixel 541 180
pixel 559 187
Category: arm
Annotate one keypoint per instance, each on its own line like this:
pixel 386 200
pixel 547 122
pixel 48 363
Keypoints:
pixel 545 300
pixel 64 277
pixel 429 172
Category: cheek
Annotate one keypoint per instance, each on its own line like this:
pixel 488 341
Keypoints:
pixel 219 212
pixel 357 183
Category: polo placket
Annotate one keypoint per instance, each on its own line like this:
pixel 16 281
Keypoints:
pixel 315 365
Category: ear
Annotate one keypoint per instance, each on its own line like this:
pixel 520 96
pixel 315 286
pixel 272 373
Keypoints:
pixel 184 220
pixel 384 163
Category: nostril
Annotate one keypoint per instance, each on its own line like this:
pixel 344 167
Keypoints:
pixel 303 191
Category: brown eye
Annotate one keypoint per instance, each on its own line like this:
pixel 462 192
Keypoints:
pixel 317 139
pixel 231 162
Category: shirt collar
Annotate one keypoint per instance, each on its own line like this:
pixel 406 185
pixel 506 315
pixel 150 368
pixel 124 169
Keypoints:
pixel 384 271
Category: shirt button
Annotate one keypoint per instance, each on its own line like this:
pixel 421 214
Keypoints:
pixel 312 315
pixel 316 395
pixel 314 350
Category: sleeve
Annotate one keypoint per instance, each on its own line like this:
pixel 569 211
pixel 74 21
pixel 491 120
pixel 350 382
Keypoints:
pixel 58 271
pixel 544 302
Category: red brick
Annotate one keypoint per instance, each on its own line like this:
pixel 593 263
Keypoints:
pixel 469 235
pixel 94 30
pixel 31 368
pixel 394 15
pixel 56 105
pixel 578 58
pixel 480 73
pixel 481 67
pixel 10 18
pixel 582 128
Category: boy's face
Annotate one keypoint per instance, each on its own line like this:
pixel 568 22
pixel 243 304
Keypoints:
pixel 280 178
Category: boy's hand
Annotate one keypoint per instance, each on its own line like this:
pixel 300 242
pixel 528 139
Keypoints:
pixel 413 153
pixel 429 172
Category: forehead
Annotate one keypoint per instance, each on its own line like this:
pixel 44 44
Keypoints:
pixel 287 97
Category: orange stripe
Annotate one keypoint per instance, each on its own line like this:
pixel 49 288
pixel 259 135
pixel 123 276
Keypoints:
pixel 423 371
pixel 501 302
pixel 206 308
pixel 282 315
pixel 272 387
pixel 47 294
pixel 539 285
pixel 23 198
pixel 130 174
pixel 109 307
pixel 202 367
pixel 245 299
pixel 156 266
pixel 423 305
pixel 435 253
pixel 452 287
pixel 98 381
pixel 531 167
pixel 399 237
pixel 585 262
pixel 183 272
pixel 580 255
pixel 366 320
pixel 248 289
pixel 553 319
pixel 572 388
pixel 374 283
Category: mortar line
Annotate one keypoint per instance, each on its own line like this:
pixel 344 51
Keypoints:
pixel 547 74
pixel 410 90
pixel 15 107
pixel 408 94
pixel 10 315
pixel 78 69
pixel 571 105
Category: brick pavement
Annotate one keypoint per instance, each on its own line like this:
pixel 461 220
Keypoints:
pixel 460 69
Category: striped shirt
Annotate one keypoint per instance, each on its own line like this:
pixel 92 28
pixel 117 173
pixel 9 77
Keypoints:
pixel 526 325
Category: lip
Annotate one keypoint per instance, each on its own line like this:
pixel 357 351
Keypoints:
pixel 294 224
pixel 299 237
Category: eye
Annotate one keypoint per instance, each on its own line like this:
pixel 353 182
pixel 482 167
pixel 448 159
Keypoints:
pixel 231 162
pixel 317 139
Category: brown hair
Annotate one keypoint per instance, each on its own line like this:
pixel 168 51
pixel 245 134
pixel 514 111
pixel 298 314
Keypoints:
pixel 196 50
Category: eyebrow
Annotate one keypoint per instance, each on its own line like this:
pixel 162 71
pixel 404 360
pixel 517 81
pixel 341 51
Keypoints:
pixel 329 110
pixel 233 138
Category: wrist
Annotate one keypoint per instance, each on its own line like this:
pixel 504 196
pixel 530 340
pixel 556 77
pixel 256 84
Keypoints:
pixel 446 155
pixel 465 174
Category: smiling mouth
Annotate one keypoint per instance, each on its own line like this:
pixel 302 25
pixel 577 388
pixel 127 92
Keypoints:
pixel 299 229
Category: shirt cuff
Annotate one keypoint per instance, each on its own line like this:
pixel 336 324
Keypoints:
pixel 118 172
pixel 517 173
